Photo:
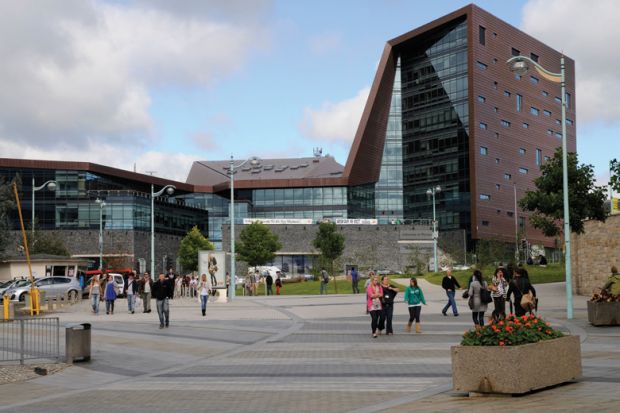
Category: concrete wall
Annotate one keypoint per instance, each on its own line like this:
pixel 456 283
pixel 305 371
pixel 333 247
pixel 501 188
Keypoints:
pixel 367 246
pixel 593 253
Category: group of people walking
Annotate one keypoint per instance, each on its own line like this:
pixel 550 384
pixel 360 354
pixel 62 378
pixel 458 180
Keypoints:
pixel 380 300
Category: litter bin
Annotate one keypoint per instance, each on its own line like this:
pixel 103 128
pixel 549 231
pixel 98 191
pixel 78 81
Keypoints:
pixel 77 342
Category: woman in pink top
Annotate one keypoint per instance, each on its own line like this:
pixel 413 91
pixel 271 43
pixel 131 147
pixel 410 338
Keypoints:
pixel 374 292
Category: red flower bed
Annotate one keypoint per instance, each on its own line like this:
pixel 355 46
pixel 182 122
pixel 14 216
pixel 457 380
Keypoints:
pixel 511 331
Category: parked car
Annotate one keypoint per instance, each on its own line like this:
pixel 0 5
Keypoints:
pixel 52 286
pixel 13 284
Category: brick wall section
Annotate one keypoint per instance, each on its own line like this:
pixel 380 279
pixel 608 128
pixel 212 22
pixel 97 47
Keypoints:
pixel 375 246
pixel 593 253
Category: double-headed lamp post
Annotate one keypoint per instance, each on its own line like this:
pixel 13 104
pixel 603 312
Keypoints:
pixel 169 190
pixel 430 192
pixel 50 185
pixel 254 161
pixel 101 206
pixel 520 65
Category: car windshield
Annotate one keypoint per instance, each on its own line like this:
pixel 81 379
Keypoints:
pixel 21 283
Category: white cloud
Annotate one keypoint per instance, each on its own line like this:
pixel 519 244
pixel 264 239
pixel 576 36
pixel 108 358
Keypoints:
pixel 335 121
pixel 585 31
pixel 325 43
pixel 77 76
pixel 204 140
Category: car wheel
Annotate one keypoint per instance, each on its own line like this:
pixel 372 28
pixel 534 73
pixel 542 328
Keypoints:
pixel 73 296
pixel 22 297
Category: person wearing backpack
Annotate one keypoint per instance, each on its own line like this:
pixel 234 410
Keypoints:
pixel 324 281
pixel 479 298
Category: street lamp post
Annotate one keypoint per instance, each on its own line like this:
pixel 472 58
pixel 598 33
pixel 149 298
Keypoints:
pixel 520 65
pixel 51 185
pixel 430 192
pixel 101 206
pixel 232 168
pixel 168 189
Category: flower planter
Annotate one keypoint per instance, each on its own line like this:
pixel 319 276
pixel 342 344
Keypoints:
pixel 516 369
pixel 603 313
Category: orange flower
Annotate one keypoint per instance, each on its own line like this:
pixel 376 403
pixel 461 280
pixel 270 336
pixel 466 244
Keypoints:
pixel 501 323
pixel 548 332
pixel 501 343
pixel 535 321
pixel 548 324
pixel 528 324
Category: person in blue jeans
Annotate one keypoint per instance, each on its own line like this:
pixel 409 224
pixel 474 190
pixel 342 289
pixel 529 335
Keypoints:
pixel 450 284
pixel 354 280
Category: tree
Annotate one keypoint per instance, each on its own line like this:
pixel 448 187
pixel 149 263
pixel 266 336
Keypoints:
pixel 614 171
pixel 47 242
pixel 7 205
pixel 331 244
pixel 193 242
pixel 546 202
pixel 489 251
pixel 257 245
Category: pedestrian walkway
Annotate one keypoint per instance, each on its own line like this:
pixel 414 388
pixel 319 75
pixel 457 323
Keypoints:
pixel 297 354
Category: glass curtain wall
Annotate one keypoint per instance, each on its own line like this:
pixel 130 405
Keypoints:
pixel 435 125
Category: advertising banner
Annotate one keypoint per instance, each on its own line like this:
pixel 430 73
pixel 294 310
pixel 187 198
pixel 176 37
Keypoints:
pixel 213 264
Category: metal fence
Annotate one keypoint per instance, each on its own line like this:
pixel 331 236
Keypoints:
pixel 30 339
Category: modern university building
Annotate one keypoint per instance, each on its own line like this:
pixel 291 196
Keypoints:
pixel 444 110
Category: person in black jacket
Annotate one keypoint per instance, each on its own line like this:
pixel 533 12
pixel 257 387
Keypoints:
pixel 131 291
pixel 450 284
pixel 519 286
pixel 385 319
pixel 162 291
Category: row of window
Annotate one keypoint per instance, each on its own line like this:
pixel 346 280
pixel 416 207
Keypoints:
pixel 486 223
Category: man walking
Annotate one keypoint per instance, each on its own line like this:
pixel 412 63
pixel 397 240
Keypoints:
pixel 146 287
pixel 131 288
pixel 269 283
pixel 450 284
pixel 162 292
pixel 354 280
pixel 324 281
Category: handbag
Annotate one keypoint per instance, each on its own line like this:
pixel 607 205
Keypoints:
pixel 527 301
pixel 485 295
pixel 466 294
pixel 470 302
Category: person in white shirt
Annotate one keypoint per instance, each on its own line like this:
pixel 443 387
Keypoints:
pixel 203 290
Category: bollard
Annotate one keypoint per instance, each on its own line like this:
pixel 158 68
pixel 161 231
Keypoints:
pixel 5 305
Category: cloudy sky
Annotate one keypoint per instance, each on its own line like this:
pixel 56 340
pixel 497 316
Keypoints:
pixel 161 83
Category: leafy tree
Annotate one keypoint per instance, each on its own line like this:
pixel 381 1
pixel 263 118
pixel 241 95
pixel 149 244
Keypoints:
pixel 193 242
pixel 489 251
pixel 331 244
pixel 614 180
pixel 48 242
pixel 546 202
pixel 7 205
pixel 257 245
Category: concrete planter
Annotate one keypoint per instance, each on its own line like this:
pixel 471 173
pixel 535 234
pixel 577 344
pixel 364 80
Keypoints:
pixel 604 313
pixel 516 369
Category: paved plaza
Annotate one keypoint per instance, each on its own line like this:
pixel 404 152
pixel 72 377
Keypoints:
pixel 298 354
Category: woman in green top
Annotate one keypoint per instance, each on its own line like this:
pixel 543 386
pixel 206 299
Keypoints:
pixel 414 297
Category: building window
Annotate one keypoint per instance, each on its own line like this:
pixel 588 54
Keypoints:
pixel 484 150
pixel 495 85
pixel 526 125
pixel 481 99
pixel 507 176
pixel 523 171
pixel 522 151
pixel 519 102
pixel 506 93
pixel 558 135
pixel 538 156
pixel 481 65
pixel 510 213
pixel 482 35
pixel 547 158
pixel 521 223
pixel 495 109
pixel 483 125
pixel 534 57
pixel 505 123
pixel 517 76
pixel 547 113
pixel 550 132
pixel 496 135
pixel 557 100
pixel 558 122
pixel 569 122
pixel 485 223
pixel 497 161
pixel 545 93
pixel 485 197
pixel 534 80
pixel 494 60
pixel 498 187
pixel 534 111
pixel 567 100
pixel 516 52
pixel 494 35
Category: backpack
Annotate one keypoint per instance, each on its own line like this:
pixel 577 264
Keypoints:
pixel 325 277
pixel 485 295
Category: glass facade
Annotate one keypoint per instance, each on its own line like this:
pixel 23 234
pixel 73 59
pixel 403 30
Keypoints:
pixel 127 203
pixel 389 188
pixel 435 119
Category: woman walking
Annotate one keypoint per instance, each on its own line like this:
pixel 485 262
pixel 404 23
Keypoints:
pixel 414 297
pixel 475 293
pixel 94 293
pixel 520 286
pixel 110 295
pixel 278 284
pixel 387 300
pixel 373 303
pixel 203 288
pixel 498 292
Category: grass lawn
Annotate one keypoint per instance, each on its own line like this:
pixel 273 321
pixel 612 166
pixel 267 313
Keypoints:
pixel 309 288
pixel 538 275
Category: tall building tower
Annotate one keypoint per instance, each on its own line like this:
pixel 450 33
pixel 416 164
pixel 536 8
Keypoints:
pixel 445 109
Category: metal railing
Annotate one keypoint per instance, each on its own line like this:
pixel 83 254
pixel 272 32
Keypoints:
pixel 30 339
